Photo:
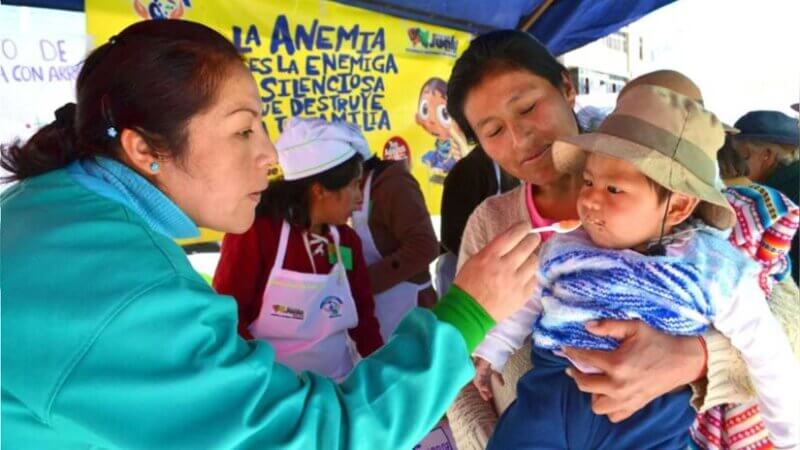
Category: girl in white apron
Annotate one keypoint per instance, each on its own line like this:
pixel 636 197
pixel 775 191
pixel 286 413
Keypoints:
pixel 296 292
pixel 392 304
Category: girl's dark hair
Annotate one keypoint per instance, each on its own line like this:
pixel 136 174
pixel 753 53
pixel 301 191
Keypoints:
pixel 493 52
pixel 731 163
pixel 153 78
pixel 290 201
pixel 372 163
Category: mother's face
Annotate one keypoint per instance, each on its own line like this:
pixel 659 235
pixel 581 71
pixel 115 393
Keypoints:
pixel 517 116
pixel 219 181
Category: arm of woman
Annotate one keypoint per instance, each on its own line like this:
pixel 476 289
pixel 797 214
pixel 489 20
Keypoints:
pixel 649 364
pixel 366 334
pixel 771 364
pixel 400 209
pixel 646 365
pixel 240 274
pixel 728 380
pixel 169 361
pixel 171 364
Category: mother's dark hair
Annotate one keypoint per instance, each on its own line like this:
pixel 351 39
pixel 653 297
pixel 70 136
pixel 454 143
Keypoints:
pixel 491 53
pixel 153 77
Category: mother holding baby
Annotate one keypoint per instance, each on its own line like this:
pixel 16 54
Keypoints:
pixel 510 95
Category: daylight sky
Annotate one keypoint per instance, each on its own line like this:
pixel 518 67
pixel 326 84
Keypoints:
pixel 744 55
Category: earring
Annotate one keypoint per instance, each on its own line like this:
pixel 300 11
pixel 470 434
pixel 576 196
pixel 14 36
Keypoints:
pixel 154 166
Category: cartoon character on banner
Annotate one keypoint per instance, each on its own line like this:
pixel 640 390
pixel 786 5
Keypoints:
pixel 432 115
pixel 396 149
pixel 161 9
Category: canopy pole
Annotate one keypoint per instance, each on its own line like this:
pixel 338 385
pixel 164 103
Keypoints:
pixel 528 22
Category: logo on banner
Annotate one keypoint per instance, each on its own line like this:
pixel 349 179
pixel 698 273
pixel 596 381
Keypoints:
pixel 430 43
pixel 396 149
pixel 332 305
pixel 161 9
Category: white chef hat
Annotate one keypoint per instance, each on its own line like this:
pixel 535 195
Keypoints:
pixel 311 146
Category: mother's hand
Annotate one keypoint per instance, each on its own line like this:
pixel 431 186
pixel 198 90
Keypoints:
pixel 646 365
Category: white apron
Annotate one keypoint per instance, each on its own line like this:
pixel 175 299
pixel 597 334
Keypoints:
pixel 305 316
pixel 394 303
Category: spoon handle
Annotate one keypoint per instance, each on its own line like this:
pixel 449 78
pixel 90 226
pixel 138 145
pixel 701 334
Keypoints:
pixel 543 229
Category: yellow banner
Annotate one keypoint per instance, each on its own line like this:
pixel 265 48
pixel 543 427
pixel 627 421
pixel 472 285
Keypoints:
pixel 315 58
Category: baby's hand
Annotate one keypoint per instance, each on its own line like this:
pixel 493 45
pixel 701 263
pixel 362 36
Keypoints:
pixel 483 378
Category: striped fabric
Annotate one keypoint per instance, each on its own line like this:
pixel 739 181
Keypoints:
pixel 730 427
pixel 766 223
pixel 675 293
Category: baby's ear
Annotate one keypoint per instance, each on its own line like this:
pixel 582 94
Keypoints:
pixel 680 208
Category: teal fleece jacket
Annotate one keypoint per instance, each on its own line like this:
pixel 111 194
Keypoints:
pixel 111 340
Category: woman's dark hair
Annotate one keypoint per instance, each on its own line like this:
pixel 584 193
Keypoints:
pixel 731 163
pixel 290 201
pixel 493 52
pixel 153 78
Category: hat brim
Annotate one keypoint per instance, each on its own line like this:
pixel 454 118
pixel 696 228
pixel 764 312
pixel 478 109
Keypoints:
pixel 730 130
pixel 788 140
pixel 569 157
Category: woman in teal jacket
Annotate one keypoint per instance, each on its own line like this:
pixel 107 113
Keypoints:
pixel 111 340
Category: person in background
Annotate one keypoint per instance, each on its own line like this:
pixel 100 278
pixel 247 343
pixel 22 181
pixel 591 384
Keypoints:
pixel 473 179
pixel 298 274
pixel 767 219
pixel 770 143
pixel 732 167
pixel 397 237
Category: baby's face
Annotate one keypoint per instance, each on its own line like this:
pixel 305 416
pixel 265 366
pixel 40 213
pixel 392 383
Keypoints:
pixel 617 205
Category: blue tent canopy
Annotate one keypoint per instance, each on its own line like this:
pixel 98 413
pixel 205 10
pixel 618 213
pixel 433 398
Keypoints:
pixel 562 25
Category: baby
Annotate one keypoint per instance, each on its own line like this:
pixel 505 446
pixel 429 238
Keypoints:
pixel 654 248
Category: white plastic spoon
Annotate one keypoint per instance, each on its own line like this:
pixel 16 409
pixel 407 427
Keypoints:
pixel 563 226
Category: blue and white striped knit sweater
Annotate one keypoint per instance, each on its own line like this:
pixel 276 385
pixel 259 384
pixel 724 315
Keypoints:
pixel 675 293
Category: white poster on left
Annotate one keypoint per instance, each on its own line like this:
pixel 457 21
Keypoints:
pixel 41 52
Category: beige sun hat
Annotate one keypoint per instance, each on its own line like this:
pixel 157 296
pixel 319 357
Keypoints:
pixel 675 81
pixel 669 137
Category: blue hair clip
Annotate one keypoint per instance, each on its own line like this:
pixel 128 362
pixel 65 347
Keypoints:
pixel 111 132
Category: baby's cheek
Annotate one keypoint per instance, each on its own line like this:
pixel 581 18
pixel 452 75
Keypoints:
pixel 581 207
